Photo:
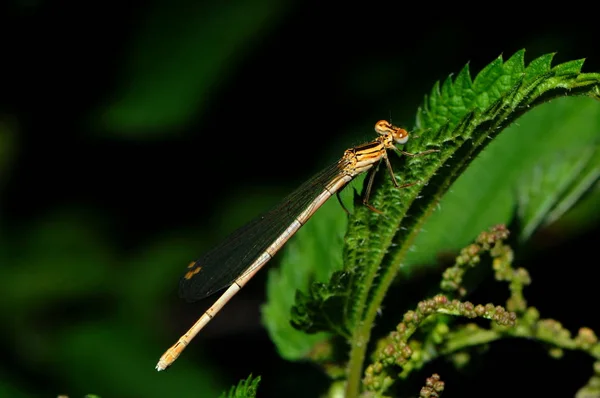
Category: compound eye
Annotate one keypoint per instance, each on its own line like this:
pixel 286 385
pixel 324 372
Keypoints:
pixel 401 137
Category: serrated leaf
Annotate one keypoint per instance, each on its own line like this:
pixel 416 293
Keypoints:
pixel 460 119
pixel 245 388
pixel 539 66
pixel 323 307
pixel 485 89
pixel 508 95
pixel 378 244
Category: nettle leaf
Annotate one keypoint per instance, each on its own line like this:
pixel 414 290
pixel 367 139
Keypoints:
pixel 460 121
pixel 496 98
pixel 325 299
pixel 245 388
pixel 308 261
pixel 459 118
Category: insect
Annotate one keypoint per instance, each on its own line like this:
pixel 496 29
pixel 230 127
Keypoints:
pixel 235 261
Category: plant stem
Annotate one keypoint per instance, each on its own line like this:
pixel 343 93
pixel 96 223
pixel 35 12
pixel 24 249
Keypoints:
pixel 359 343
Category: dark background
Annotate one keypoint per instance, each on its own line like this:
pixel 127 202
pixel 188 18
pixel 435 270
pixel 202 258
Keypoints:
pixel 103 182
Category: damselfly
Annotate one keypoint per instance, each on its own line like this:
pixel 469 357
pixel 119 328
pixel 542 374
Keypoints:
pixel 235 261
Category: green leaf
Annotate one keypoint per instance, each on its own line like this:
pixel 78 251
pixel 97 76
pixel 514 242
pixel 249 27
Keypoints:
pixel 376 245
pixel 312 255
pixel 459 119
pixel 584 183
pixel 245 388
pixel 489 187
pixel 584 214
pixel 553 186
pixel 323 307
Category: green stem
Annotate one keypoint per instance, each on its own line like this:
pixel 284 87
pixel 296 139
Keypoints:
pixel 358 350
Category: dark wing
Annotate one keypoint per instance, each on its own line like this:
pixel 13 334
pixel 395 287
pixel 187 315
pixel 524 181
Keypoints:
pixel 221 266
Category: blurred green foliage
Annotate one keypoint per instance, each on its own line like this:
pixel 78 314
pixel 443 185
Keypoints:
pixel 176 59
